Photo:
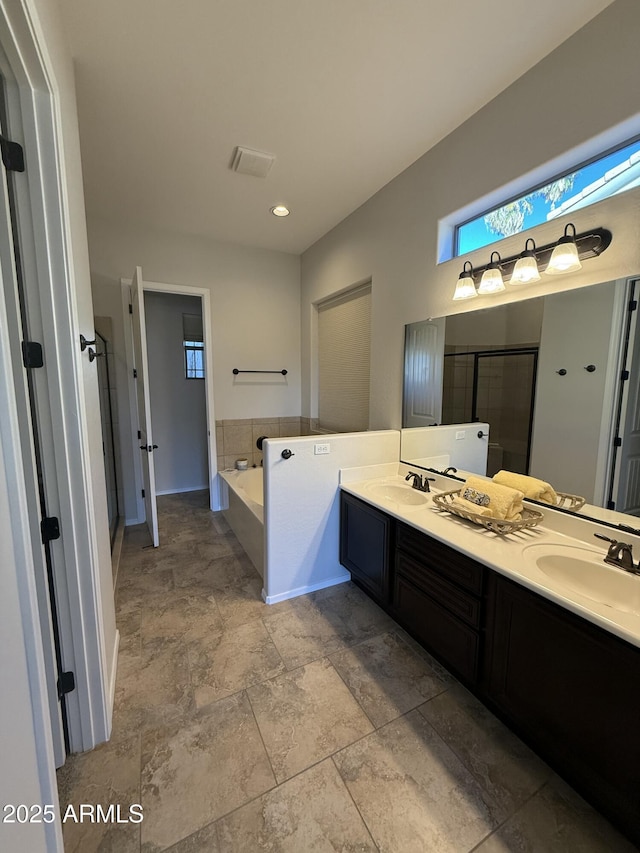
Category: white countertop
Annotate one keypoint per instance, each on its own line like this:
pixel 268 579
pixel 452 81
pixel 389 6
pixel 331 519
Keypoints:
pixel 504 554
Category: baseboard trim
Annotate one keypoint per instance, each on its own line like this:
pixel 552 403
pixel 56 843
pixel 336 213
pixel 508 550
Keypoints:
pixel 181 491
pixel 112 686
pixel 303 590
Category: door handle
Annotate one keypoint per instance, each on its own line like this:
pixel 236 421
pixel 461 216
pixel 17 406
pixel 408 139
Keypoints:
pixel 148 447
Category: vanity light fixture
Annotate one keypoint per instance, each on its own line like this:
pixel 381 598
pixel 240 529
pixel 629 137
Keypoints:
pixel 280 210
pixel 526 269
pixel 564 257
pixel 466 286
pixel 491 281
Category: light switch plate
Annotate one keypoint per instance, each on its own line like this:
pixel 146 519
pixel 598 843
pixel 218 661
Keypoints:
pixel 321 449
pixel 460 433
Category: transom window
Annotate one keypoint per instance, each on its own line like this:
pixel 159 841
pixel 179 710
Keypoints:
pixel 605 176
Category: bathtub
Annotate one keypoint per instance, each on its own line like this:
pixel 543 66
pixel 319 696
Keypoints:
pixel 245 511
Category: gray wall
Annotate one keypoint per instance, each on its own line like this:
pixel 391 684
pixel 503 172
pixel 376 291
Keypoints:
pixel 582 90
pixel 178 405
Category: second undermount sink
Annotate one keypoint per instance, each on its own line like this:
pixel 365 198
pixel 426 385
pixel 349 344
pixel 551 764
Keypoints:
pixel 399 494
pixel 584 571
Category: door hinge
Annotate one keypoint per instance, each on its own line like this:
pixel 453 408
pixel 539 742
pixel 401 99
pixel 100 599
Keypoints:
pixel 625 375
pixel 135 373
pixel 66 683
pixel 12 155
pixel 130 308
pixel 32 354
pixel 50 529
pixel 143 493
pixel 611 504
pixel 139 434
pixel 617 441
pixel 633 305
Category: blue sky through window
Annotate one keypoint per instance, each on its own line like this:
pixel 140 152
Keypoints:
pixel 600 179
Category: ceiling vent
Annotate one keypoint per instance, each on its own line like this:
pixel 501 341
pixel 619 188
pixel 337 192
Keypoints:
pixel 249 162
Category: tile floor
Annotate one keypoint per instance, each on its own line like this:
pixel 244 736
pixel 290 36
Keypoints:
pixel 309 726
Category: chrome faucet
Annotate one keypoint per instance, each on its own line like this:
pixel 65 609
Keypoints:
pixel 419 482
pixel 619 554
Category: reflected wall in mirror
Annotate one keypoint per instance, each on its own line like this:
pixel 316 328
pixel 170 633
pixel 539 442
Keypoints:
pixel 545 373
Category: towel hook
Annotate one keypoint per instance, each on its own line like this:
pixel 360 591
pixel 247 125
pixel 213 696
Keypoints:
pixel 482 434
pixel 590 368
pixel 562 371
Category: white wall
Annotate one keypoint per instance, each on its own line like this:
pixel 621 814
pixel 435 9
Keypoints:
pixel 567 428
pixel 178 404
pixel 584 88
pixel 255 313
pixel 442 446
pixel 302 507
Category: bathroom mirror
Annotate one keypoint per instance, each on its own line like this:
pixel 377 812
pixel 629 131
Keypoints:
pixel 545 373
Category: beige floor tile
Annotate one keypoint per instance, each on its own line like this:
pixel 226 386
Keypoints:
pixel 353 614
pixel 241 601
pixel 194 773
pixel 311 812
pixel 108 775
pixel 306 715
pixel 137 589
pixel 187 618
pixel 386 677
pixel 231 569
pixel 302 633
pixel 231 660
pixel 152 688
pixel 205 840
pixel 413 792
pixel 556 820
pixel 507 769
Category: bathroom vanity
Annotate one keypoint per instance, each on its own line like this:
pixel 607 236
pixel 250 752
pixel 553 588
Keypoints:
pixel 565 684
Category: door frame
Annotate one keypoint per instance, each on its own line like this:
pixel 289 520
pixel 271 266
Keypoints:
pixel 204 293
pixel 46 231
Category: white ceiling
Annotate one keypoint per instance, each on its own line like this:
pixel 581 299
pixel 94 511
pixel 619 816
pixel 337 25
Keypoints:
pixel 345 93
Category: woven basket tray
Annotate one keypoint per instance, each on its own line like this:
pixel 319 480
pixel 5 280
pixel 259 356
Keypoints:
pixel 530 517
pixel 565 501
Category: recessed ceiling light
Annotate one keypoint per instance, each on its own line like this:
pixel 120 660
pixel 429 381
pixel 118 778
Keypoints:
pixel 280 210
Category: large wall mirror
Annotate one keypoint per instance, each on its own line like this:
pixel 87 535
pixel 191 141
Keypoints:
pixel 556 378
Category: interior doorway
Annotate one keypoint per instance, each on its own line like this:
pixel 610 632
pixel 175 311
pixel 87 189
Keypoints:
pixel 200 364
pixel 175 351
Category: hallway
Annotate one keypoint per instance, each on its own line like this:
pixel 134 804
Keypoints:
pixel 311 725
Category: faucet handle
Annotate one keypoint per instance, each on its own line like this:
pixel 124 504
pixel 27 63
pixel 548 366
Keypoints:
pixel 618 553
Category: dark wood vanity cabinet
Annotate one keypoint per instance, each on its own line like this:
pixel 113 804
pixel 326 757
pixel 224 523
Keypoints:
pixel 566 686
pixel 572 690
pixel 365 546
pixel 438 597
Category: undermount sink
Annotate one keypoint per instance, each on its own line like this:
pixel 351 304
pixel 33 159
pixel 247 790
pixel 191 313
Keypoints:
pixel 584 571
pixel 405 495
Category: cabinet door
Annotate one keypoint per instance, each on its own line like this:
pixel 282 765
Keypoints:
pixel 365 545
pixel 574 691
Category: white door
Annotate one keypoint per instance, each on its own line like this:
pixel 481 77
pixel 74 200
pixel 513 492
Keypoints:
pixel 627 481
pixel 423 370
pixel 145 443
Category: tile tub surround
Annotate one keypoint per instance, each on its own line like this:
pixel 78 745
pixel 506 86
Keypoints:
pixel 236 439
pixel 412 757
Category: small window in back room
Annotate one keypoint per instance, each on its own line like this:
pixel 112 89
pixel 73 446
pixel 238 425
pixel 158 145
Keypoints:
pixel 193 346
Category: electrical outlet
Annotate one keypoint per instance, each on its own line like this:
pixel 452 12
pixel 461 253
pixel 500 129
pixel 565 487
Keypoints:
pixel 460 434
pixel 321 449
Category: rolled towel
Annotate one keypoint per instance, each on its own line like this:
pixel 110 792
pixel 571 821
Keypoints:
pixel 504 502
pixel 539 490
pixel 468 506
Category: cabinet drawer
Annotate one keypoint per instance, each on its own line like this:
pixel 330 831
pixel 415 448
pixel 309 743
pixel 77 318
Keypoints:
pixel 457 601
pixel 452 642
pixel 456 567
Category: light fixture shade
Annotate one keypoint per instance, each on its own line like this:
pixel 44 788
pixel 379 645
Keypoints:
pixel 564 257
pixel 466 286
pixel 491 281
pixel 526 269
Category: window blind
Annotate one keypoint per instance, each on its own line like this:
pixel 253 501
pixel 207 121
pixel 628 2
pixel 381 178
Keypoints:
pixel 344 345
pixel 192 327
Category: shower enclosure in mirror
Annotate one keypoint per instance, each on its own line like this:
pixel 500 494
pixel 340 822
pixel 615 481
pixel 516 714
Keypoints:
pixel 556 378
